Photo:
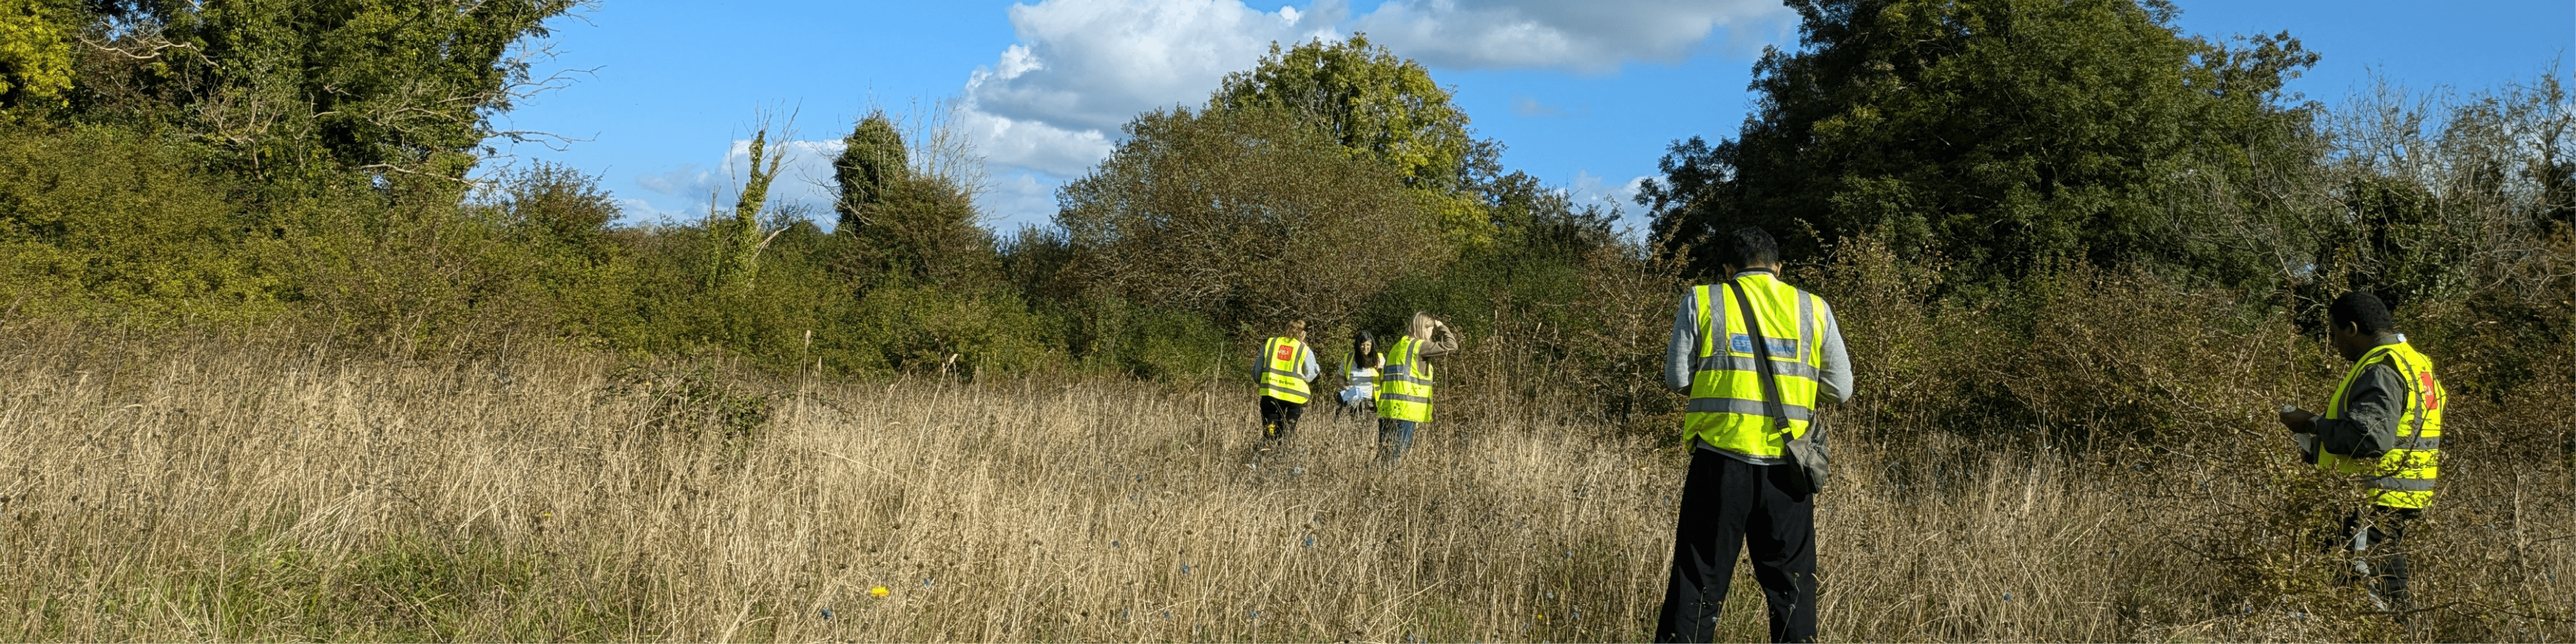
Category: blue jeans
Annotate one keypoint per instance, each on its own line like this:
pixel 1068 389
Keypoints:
pixel 1394 437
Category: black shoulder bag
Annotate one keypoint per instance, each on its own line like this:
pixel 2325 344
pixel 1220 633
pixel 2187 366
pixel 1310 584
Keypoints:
pixel 1805 457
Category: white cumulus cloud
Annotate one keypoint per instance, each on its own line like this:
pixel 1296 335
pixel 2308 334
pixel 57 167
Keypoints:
pixel 1589 188
pixel 804 179
pixel 1050 106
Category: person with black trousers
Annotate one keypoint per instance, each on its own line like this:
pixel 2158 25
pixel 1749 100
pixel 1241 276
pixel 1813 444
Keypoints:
pixel 1756 357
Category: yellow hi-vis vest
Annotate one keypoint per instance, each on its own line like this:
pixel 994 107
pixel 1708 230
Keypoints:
pixel 1726 410
pixel 1279 377
pixel 1404 387
pixel 2403 477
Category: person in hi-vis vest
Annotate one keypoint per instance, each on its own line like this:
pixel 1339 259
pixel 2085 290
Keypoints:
pixel 1359 377
pixel 1285 370
pixel 1740 493
pixel 2382 430
pixel 1404 384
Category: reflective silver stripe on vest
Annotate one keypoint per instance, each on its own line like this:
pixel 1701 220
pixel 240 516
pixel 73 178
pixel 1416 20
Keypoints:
pixel 1403 376
pixel 2420 443
pixel 1384 396
pixel 1806 324
pixel 1786 369
pixel 2401 485
pixel 1748 407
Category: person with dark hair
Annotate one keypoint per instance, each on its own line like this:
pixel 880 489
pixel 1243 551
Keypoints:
pixel 1286 366
pixel 1756 356
pixel 1359 371
pixel 2381 430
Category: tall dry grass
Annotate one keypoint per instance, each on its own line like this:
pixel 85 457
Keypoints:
pixel 210 489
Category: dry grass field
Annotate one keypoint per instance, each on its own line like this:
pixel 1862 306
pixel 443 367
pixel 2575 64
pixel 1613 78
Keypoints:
pixel 194 490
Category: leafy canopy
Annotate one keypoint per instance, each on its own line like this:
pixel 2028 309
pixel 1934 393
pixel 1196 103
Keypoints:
pixel 2002 134
pixel 35 55
pixel 1244 216
pixel 323 85
pixel 1384 108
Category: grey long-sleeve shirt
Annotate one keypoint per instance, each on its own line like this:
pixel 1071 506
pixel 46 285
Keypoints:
pixel 2371 408
pixel 1834 387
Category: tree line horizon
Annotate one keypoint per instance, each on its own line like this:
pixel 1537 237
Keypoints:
pixel 171 164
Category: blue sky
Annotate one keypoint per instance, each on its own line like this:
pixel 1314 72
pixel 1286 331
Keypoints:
pixel 1585 95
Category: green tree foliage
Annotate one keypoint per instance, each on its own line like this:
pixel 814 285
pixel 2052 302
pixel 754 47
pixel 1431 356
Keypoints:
pixel 403 87
pixel 1244 216
pixel 101 220
pixel 1385 108
pixel 35 54
pixel 902 224
pixel 2003 134
pixel 872 161
pixel 738 239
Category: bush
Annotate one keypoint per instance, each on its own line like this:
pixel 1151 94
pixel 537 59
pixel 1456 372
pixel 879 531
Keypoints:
pixel 109 222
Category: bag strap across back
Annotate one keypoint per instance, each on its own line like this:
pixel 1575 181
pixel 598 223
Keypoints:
pixel 1771 403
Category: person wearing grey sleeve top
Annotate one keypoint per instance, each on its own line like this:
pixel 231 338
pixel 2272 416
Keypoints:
pixel 1741 494
pixel 1834 387
pixel 1286 371
pixel 1306 369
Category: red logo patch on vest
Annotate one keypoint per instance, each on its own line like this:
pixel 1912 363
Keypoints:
pixel 2432 394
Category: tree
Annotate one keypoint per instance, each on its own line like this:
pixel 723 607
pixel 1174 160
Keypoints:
pixel 403 87
pixel 2004 134
pixel 1382 107
pixel 1244 216
pixel 901 222
pixel 872 161
pixel 35 57
pixel 738 240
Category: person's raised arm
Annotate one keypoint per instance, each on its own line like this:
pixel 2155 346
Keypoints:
pixel 1444 341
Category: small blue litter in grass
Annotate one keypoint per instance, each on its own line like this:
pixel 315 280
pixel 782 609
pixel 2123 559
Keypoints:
pixel 1113 543
pixel 1167 614
pixel 1185 569
pixel 1256 614
pixel 1310 542
pixel 2007 596
pixel 827 613
pixel 1576 614
pixel 1569 554
pixel 1122 613
pixel 925 581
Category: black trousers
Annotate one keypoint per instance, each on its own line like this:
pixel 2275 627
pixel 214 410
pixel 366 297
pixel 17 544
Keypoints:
pixel 1728 505
pixel 2386 556
pixel 1279 418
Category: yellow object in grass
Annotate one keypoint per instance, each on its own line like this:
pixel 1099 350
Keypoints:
pixel 879 591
